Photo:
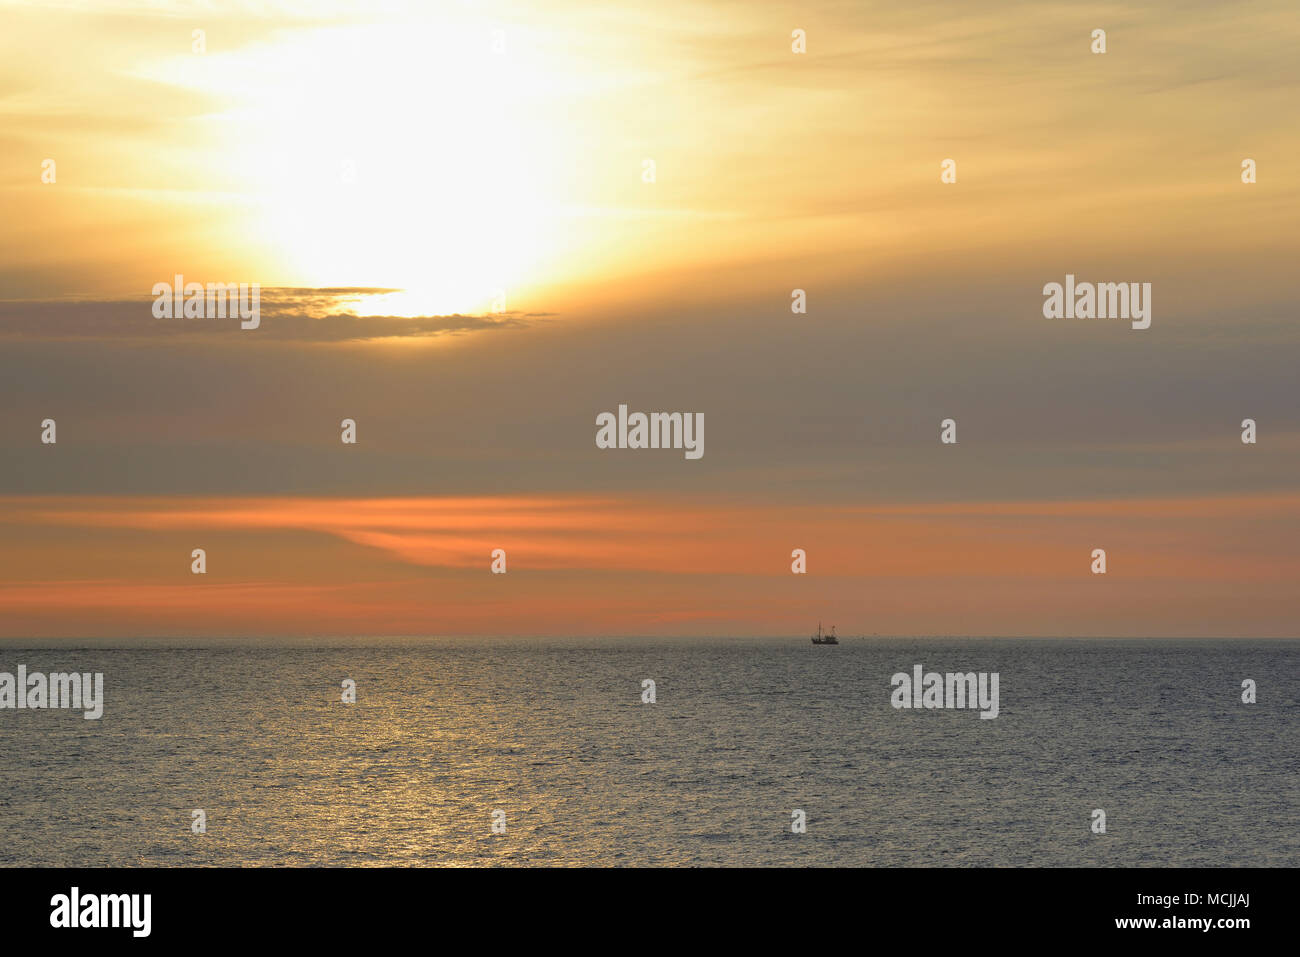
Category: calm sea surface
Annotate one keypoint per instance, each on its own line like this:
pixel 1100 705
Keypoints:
pixel 554 734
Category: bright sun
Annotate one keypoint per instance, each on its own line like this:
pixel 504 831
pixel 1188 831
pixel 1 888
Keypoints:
pixel 389 156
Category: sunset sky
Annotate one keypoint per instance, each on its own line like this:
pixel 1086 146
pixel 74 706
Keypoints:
pixel 388 171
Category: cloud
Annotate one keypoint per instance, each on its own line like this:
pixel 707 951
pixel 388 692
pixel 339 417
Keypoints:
pixel 287 315
pixel 616 564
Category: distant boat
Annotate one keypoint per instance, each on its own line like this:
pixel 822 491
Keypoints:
pixel 821 639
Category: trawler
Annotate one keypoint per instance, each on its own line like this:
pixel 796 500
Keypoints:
pixel 825 639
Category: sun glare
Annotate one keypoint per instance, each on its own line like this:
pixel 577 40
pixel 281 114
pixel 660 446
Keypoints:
pixel 388 156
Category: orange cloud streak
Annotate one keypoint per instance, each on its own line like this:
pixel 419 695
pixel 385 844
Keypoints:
pixel 420 565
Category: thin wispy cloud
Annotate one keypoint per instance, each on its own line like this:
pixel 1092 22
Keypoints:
pixel 288 315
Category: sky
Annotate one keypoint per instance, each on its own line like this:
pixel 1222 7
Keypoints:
pixel 446 207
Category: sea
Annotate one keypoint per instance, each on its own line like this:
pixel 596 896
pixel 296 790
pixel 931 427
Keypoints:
pixel 752 752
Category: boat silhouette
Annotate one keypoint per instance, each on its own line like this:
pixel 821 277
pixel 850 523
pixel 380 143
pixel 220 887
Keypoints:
pixel 825 639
